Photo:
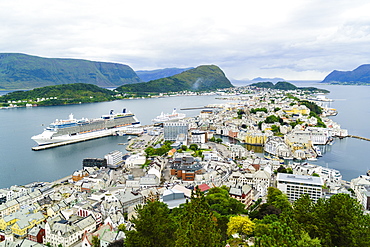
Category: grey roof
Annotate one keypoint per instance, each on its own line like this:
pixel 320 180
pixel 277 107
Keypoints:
pixel 299 179
pixel 235 191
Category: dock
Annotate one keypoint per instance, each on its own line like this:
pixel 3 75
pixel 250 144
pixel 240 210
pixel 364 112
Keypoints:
pixel 359 137
pixel 193 108
pixel 58 144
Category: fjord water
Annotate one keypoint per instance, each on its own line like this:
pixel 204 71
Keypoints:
pixel 20 165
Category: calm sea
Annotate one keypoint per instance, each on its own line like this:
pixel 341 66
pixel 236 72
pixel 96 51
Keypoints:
pixel 20 165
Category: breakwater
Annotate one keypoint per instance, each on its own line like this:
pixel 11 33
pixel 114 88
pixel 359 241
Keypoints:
pixel 359 137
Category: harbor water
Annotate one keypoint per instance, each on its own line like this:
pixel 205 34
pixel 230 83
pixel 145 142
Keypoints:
pixel 20 165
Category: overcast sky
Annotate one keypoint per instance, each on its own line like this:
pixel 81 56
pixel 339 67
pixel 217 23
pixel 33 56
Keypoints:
pixel 292 39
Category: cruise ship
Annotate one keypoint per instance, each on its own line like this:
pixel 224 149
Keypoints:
pixel 169 117
pixel 84 129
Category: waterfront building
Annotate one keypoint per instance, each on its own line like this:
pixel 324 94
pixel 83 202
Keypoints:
pixel 172 130
pixel 276 146
pixel 254 137
pixel 91 162
pixel 114 159
pixel 294 186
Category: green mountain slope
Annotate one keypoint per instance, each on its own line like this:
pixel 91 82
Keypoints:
pixel 59 95
pixel 202 78
pixel 21 71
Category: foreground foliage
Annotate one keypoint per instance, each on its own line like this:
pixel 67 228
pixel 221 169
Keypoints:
pixel 212 220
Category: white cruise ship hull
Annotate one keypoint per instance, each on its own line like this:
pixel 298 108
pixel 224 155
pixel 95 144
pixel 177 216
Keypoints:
pixel 47 137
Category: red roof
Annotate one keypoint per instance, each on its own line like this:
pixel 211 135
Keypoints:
pixel 204 187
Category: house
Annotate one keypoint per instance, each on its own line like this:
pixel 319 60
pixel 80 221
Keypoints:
pixel 105 234
pixel 67 232
pixel 244 194
pixel 37 233
pixel 26 222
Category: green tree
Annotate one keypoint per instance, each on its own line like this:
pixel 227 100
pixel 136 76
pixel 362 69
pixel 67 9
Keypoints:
pixel 277 234
pixel 153 226
pixel 95 241
pixel 197 224
pixel 240 224
pixel 193 147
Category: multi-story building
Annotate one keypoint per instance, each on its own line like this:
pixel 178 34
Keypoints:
pixel 173 129
pixel 296 185
pixel 59 231
pixel 185 167
pixel 91 162
pixel 114 159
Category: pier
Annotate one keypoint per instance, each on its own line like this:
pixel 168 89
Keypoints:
pixel 194 108
pixel 58 144
pixel 359 137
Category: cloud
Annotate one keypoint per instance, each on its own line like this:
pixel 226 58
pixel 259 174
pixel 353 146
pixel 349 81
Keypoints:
pixel 289 39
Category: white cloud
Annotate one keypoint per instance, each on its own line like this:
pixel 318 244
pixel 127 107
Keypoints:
pixel 302 39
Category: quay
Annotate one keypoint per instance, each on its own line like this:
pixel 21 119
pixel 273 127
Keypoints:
pixel 58 144
pixel 359 137
pixel 193 108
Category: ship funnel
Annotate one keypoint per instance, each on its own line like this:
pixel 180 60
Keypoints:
pixel 111 112
pixel 124 110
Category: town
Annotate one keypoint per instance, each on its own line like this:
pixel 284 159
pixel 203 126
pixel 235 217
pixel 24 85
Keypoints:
pixel 166 162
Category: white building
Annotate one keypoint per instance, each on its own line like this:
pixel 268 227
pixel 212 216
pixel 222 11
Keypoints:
pixel 295 185
pixel 67 232
pixel 114 159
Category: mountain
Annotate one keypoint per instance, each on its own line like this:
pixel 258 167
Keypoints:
pixel 149 75
pixel 202 78
pixel 283 85
pixel 25 71
pixel 360 75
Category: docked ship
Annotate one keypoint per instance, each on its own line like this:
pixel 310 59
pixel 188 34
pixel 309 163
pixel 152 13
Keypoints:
pixel 84 129
pixel 169 117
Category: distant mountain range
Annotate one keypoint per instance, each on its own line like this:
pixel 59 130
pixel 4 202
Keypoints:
pixel 21 71
pixel 360 75
pixel 202 78
pixel 149 75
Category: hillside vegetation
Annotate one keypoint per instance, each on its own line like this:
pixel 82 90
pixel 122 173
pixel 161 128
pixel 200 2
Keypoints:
pixel 202 78
pixel 283 85
pixel 21 71
pixel 59 95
